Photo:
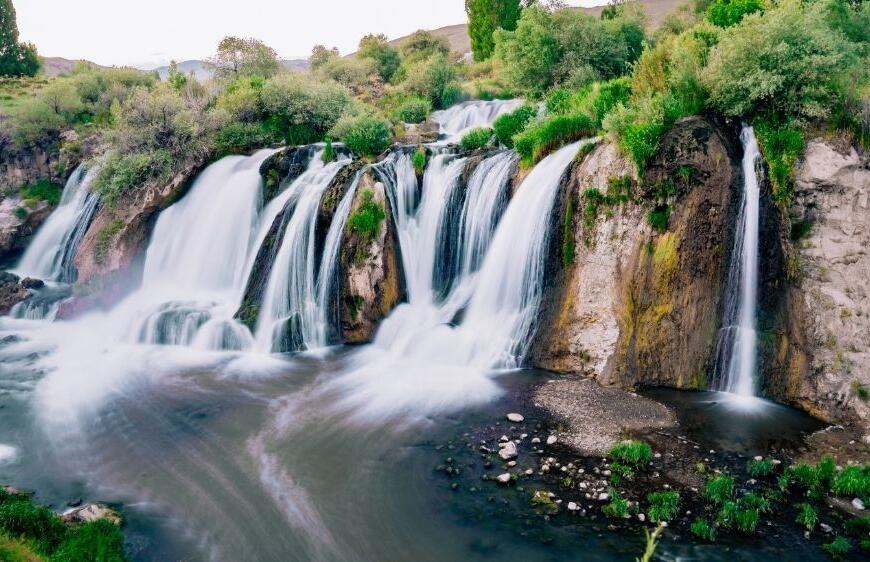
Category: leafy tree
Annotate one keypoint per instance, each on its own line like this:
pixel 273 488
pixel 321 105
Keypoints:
pixel 422 44
pixel 786 61
pixel 726 13
pixel 301 109
pixel 320 55
pixel 16 59
pixel 378 49
pixel 364 133
pixel 484 17
pixel 237 57
pixel 435 79
pixel 175 77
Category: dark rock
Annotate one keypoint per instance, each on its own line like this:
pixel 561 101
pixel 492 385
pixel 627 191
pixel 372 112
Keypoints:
pixel 31 283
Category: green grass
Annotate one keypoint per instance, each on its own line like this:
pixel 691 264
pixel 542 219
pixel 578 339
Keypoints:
pixel 703 530
pixel 43 190
pixel 366 220
pixel 782 145
pixel 634 454
pixel 328 151
pixel 852 481
pixel 658 217
pixel 839 548
pixel 476 138
pixel 511 124
pixel 618 507
pixel 807 517
pixel 719 489
pixel 418 160
pixel 552 133
pixel 568 234
pixel 663 506
pixel 15 91
pixel 759 468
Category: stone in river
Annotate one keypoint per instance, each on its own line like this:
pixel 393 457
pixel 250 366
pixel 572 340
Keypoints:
pixel 514 417
pixel 504 478
pixel 509 451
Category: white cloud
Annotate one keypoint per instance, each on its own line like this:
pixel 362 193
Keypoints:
pixel 140 32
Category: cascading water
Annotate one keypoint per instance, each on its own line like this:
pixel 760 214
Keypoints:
pixel 50 255
pixel 737 346
pixel 289 316
pixel 454 122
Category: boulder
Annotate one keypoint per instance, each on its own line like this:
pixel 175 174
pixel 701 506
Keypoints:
pixel 12 292
pixel 91 512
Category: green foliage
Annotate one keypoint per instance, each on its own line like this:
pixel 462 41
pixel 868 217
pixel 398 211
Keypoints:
pixel 618 508
pixel 663 506
pixel 19 517
pixel 354 73
pixel 808 517
pixel 386 57
pixel 413 110
pixel 640 125
pixel 759 468
pixel 566 47
pixel 743 515
pixel 418 160
pixel 175 77
pixel 781 144
pixel 568 233
pixel 366 134
pixel 861 391
pixel 98 541
pixel 719 489
pixel 635 454
pixel 549 134
pixel 104 239
pixel 784 62
pixel 476 138
pixel 607 95
pixel 422 45
pixel 858 526
pixel 800 229
pixel 16 59
pixel 726 13
pixel 237 57
pixel 21 213
pixel 508 125
pixel 703 530
pixel 658 217
pixel 237 138
pixel 366 220
pixel 121 174
pixel 328 151
pixel 484 17
pixel 299 108
pixel 43 190
pixel 853 480
pixel 435 79
pixel 839 548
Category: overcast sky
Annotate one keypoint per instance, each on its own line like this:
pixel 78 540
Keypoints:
pixel 150 32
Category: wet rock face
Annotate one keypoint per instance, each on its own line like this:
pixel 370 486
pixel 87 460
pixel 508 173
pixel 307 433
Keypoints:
pixel 822 344
pixel 18 224
pixel 369 273
pixel 12 291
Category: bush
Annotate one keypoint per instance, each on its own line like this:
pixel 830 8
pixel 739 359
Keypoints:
pixel 43 190
pixel 781 144
pixel 807 516
pixel 663 506
pixel 838 548
pixel 726 13
pixel 759 468
pixel 618 507
pixel 476 138
pixel 418 160
pixel 121 174
pixel 301 109
pixel 553 132
pixel 508 125
pixel 434 78
pixel 386 57
pixel 852 481
pixel 367 218
pixel 414 110
pixel 719 489
pixel 703 530
pixel 635 454
pixel 365 135
pixel 236 137
pixel 658 217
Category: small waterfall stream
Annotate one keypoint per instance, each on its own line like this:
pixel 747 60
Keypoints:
pixel 51 253
pixel 736 353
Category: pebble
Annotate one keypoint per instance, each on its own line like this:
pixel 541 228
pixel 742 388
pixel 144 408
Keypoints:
pixel 573 506
pixel 508 451
pixel 826 528
pixel 504 478
pixel 641 517
pixel 536 440
pixel 529 472
pixel 551 440
pixel 858 504
pixel 514 417
pixel 512 464
pixel 758 458
pixel 603 497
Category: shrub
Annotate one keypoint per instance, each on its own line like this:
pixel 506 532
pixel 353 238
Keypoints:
pixel 663 506
pixel 418 160
pixel 433 78
pixel 99 540
pixel 553 132
pixel 719 489
pixel 807 516
pixel 634 454
pixel 658 217
pixel 781 144
pixel 414 110
pixel 852 481
pixel 365 134
pixel 122 174
pixel 366 220
pixel 838 548
pixel 476 138
pixel 759 468
pixel 607 95
pixel 386 57
pixel 726 13
pixel 861 391
pixel 236 137
pixel 43 190
pixel 510 124
pixel 703 530
pixel 618 507
pixel 300 109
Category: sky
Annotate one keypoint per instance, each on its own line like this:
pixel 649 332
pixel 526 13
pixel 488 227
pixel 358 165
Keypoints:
pixel 149 33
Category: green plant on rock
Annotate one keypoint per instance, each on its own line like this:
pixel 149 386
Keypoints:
pixel 663 506
pixel 366 135
pixel 703 530
pixel 367 218
pixel 807 517
pixel 541 138
pixel 634 454
pixel 414 110
pixel 568 233
pixel 658 217
pixel 619 507
pixel 510 124
pixel 781 144
pixel 328 151
pixel 43 190
pixel 104 239
pixel 861 391
pixel 418 160
pixel 853 480
pixel 476 138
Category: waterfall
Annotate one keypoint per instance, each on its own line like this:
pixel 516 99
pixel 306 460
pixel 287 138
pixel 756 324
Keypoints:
pixel 736 352
pixel 51 253
pixel 288 318
pixel 454 122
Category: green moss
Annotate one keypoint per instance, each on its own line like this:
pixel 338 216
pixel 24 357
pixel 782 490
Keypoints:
pixel 658 217
pixel 366 220
pixel 43 190
pixel 568 234
pixel 104 239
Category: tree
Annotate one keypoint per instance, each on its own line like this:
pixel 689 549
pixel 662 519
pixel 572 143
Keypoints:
pixel 423 44
pixel 16 59
pixel 387 58
pixel 237 57
pixel 320 55
pixel 484 17
pixel 175 77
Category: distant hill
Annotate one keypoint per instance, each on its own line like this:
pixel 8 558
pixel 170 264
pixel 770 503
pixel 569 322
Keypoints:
pixel 202 72
pixel 457 35
pixel 54 66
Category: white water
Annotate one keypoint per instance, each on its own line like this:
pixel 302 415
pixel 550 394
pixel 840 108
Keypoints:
pixel 455 121
pixel 737 347
pixel 290 301
pixel 50 255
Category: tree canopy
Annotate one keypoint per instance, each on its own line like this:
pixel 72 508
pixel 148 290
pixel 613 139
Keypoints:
pixel 16 59
pixel 238 57
pixel 484 17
